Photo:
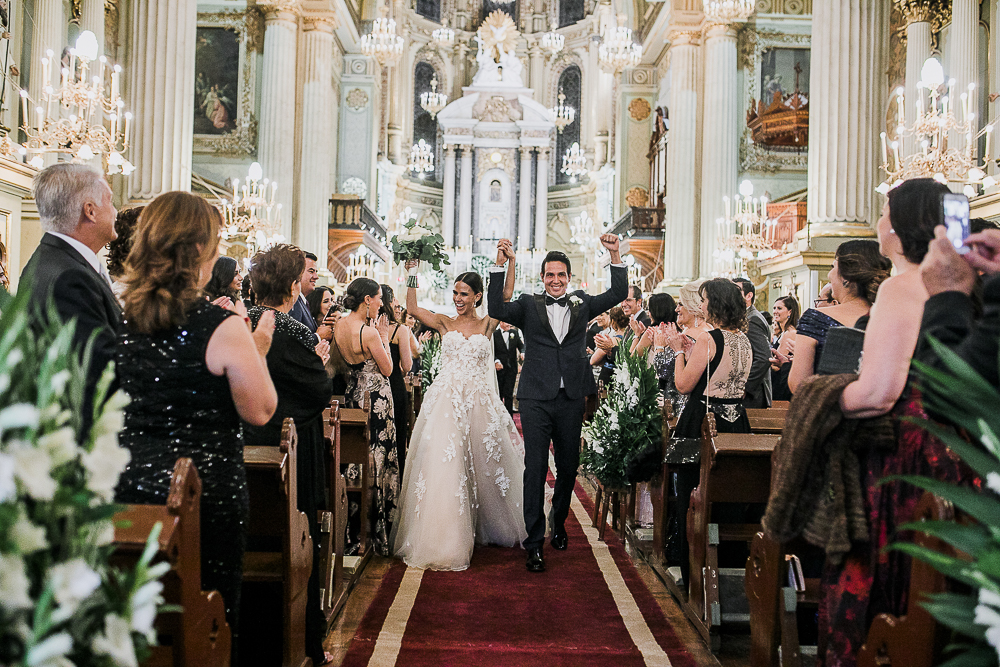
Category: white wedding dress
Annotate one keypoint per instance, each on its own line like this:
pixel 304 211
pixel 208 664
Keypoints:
pixel 465 466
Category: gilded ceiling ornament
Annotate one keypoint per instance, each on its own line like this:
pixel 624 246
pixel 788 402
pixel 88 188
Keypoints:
pixel 935 12
pixel 498 29
pixel 639 109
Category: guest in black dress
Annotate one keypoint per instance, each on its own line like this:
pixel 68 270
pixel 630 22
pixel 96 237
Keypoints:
pixel 402 363
pixel 226 280
pixel 296 365
pixel 193 370
pixel 786 319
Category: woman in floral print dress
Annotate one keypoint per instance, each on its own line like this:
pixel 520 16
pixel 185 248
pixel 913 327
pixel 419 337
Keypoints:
pixel 365 349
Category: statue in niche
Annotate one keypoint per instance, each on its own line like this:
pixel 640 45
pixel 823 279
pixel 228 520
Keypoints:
pixel 495 194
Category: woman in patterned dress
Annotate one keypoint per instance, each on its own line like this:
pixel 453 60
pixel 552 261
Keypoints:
pixel 365 349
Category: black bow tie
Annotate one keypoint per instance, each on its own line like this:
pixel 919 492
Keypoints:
pixel 561 301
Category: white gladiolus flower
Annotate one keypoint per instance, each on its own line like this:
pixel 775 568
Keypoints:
pixel 51 652
pixel 116 642
pixel 4 382
pixel 32 466
pixel 27 536
pixel 19 415
pixel 596 446
pixel 993 481
pixel 72 582
pixel 59 381
pixel 101 533
pixel 8 486
pixel 14 584
pixel 988 614
pixel 60 445
pixel 104 464
pixel 144 604
pixel 14 357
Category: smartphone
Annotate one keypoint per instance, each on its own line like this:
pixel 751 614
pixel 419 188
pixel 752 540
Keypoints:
pixel 955 209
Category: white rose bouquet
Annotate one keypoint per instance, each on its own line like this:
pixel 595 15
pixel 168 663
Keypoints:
pixel 61 604
pixel 420 243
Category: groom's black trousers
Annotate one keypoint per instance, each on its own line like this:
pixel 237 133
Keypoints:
pixel 559 420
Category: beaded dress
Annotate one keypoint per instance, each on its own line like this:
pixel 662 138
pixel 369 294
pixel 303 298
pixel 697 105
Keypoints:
pixel 180 409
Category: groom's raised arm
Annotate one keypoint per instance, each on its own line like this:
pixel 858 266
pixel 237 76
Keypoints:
pixel 619 278
pixel 510 312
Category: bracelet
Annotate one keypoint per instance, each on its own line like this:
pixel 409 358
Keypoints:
pixel 412 281
pixel 659 348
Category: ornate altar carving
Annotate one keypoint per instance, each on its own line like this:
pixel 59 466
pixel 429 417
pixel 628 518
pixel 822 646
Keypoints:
pixel 356 100
pixel 637 197
pixel 639 109
pixel 498 110
pixel 783 121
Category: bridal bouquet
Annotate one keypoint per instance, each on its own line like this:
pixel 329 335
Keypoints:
pixel 417 242
pixel 61 604
pixel 970 403
pixel 626 423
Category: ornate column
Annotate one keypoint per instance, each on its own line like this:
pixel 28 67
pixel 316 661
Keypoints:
pixel 394 128
pixel 682 159
pixel 448 212
pixel 845 108
pixel 918 49
pixel 962 58
pixel 720 137
pixel 461 62
pixel 465 197
pixel 542 199
pixel 316 137
pixel 524 202
pixel 275 150
pixel 162 91
pixel 92 19
pixel 48 33
pixel 536 63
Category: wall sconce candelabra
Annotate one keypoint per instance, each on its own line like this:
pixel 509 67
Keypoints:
pixel 70 119
pixel 444 36
pixel 552 42
pixel 252 212
pixel 421 159
pixel 432 102
pixel 574 162
pixel 562 113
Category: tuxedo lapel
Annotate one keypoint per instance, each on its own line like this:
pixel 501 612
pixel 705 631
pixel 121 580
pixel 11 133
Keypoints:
pixel 543 315
pixel 574 312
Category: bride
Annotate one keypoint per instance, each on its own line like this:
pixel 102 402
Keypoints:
pixel 463 475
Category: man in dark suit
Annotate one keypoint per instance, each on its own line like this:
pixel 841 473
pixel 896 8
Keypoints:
pixel 758 388
pixel 507 347
pixel 949 312
pixel 555 379
pixel 300 311
pixel 78 216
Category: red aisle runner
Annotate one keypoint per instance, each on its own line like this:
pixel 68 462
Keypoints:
pixel 497 613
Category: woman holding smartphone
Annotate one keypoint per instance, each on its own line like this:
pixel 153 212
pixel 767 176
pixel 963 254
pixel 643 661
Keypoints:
pixel 402 361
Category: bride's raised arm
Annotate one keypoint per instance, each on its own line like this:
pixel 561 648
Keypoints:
pixel 424 316
pixel 504 250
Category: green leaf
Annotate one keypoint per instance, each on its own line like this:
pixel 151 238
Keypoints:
pixel 974 656
pixel 970 539
pixel 982 507
pixel 947 565
pixel 955 611
pixel 981 462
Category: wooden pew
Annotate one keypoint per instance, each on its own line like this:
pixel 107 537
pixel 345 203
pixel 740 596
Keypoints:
pixel 766 420
pixel 735 468
pixel 334 590
pixel 916 639
pixel 279 554
pixel 199 635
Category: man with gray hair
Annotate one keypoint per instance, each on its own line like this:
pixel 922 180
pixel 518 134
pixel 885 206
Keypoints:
pixel 78 216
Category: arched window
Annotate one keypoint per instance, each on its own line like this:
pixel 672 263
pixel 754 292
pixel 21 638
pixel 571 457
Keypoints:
pixel 570 82
pixel 429 9
pixel 571 11
pixel 424 127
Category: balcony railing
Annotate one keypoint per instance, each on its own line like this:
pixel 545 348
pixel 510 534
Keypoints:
pixel 351 212
pixel 641 222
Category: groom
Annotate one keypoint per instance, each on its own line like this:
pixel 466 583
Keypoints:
pixel 555 378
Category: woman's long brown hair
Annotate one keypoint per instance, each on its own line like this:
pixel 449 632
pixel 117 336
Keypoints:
pixel 177 233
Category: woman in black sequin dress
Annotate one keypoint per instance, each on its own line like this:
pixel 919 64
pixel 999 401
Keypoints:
pixel 402 362
pixel 193 370
pixel 296 364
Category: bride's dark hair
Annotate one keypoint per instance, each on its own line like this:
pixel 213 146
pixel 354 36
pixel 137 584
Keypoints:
pixel 475 283
pixel 354 296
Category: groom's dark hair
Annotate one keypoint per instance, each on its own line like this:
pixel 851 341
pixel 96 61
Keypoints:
pixel 557 256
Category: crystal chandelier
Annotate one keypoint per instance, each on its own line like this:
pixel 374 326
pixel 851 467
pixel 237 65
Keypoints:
pixel 574 162
pixel 586 234
pixel 252 212
pixel 617 50
pixel 71 118
pixel 444 36
pixel 940 124
pixel 553 42
pixel 421 159
pixel 562 113
pixel 433 101
pixel 729 11
pixel 746 233
pixel 382 43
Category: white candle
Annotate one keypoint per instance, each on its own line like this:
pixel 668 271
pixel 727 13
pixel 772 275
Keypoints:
pixel 885 151
pixel 24 108
pixel 128 119
pixel 895 155
pixel 41 116
pixel 989 132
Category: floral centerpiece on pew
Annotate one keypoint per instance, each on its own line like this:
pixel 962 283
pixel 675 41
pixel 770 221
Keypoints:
pixel 61 604
pixel 970 403
pixel 417 242
pixel 626 424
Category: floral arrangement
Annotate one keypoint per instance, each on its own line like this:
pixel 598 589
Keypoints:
pixel 416 242
pixel 626 423
pixel 970 403
pixel 430 357
pixel 61 604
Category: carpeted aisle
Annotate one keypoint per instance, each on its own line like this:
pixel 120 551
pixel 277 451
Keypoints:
pixel 589 608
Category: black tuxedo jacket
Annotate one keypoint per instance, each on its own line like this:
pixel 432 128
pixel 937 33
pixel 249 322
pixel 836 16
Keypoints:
pixel 948 316
pixel 546 360
pixel 78 292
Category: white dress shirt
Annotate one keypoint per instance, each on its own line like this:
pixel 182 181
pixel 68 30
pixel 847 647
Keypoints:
pixel 558 319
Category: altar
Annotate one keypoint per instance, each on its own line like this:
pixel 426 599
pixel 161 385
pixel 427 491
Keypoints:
pixel 497 140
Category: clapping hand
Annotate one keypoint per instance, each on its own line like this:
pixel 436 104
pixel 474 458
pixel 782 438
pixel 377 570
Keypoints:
pixel 323 350
pixel 224 302
pixel 659 335
pixel 677 341
pixel 425 336
pixel 778 360
pixel 605 342
pixel 383 328
pixel 638 328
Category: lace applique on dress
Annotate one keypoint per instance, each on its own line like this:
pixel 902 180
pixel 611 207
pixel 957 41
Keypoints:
pixel 502 481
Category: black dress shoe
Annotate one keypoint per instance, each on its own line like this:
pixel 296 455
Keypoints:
pixel 559 540
pixel 535 561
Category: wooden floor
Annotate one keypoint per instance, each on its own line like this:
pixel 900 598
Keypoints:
pixel 735 647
